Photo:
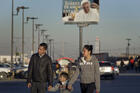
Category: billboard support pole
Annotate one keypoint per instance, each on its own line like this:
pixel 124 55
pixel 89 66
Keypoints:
pixel 80 40
pixel 81 26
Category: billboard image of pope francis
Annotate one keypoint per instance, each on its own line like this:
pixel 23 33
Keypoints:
pixel 86 14
pixel 81 11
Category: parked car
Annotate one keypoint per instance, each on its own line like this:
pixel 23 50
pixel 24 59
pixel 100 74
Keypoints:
pixel 4 71
pixel 20 70
pixel 106 69
pixel 23 74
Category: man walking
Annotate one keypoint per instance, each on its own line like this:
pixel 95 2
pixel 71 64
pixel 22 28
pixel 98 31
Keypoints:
pixel 40 71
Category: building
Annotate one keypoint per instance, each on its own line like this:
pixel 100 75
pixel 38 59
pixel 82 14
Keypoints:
pixel 97 46
pixel 17 59
pixel 102 56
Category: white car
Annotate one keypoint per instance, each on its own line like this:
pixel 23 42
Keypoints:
pixel 4 71
pixel 5 68
pixel 106 69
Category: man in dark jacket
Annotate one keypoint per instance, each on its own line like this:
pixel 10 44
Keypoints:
pixel 40 71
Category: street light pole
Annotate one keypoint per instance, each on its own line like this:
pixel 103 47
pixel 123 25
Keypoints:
pixel 127 49
pixel 46 37
pixel 12 37
pixel 47 41
pixel 18 9
pixel 12 34
pixel 22 36
pixel 53 50
pixel 33 42
pixel 43 34
pixel 38 29
pixel 50 42
pixel 38 37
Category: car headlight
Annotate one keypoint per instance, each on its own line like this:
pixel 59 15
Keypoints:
pixel 8 70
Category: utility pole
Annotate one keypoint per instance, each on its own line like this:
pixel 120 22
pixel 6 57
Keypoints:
pixel 33 42
pixel 18 9
pixel 128 46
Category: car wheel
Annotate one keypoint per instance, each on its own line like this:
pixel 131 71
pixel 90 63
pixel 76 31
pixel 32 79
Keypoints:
pixel 22 75
pixel 3 76
pixel 112 77
pixel 105 77
pixel 25 75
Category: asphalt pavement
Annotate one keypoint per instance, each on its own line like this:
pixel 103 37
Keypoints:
pixel 125 83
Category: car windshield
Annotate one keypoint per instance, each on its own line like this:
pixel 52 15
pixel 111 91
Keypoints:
pixel 7 66
pixel 1 65
pixel 104 64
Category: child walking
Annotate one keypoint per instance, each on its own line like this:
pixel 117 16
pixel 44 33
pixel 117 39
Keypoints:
pixel 62 85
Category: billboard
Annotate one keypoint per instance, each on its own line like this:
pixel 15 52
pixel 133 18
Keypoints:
pixel 80 11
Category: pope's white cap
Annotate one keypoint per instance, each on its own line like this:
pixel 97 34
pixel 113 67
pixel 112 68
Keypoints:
pixel 84 1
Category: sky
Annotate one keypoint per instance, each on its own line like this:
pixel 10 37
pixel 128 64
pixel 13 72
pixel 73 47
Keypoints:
pixel 119 19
